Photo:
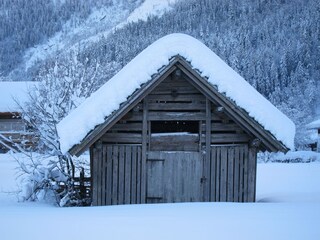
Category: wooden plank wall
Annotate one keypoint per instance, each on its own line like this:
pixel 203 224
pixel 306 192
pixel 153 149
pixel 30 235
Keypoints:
pixel 120 168
pixel 223 129
pixel 116 175
pixel 232 173
pixel 174 177
pixel 175 100
pixel 128 130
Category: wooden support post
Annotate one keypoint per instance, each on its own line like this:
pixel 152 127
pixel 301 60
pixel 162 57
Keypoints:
pixel 91 173
pixel 252 172
pixel 245 175
pixel 103 174
pixel 213 161
pixel 115 156
pixel 230 175
pixel 109 175
pixel 99 172
pixel 206 166
pixel 144 150
pixel 241 172
pixel 236 182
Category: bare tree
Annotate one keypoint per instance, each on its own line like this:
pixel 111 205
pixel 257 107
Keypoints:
pixel 61 88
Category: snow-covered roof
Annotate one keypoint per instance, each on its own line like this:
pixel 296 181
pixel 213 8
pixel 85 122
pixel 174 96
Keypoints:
pixel 13 92
pixel 314 125
pixel 94 110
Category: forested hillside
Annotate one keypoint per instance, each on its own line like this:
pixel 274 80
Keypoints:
pixel 274 44
pixel 27 23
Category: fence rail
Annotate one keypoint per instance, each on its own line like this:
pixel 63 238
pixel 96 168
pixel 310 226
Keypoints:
pixel 82 188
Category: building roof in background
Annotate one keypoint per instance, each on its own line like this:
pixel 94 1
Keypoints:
pixel 314 125
pixel 13 92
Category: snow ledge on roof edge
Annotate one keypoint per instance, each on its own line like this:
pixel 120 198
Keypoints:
pixel 93 111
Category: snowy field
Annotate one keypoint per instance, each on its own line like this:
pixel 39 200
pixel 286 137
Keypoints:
pixel 287 207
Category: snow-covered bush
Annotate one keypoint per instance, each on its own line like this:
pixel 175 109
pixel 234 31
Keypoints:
pixel 289 157
pixel 42 179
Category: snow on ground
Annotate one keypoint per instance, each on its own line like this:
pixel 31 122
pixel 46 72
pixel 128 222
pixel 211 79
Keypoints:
pixel 8 183
pixel 287 207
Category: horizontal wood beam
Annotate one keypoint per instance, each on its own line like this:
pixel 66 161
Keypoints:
pixel 181 97
pixel 179 116
pixel 177 106
pixel 174 138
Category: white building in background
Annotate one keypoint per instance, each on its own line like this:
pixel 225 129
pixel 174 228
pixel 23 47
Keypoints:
pixel 315 126
pixel 13 94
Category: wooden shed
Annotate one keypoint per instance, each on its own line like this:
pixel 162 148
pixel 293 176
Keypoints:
pixel 177 138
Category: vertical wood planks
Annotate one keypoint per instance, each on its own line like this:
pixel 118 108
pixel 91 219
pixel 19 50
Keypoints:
pixel 109 175
pixel 255 174
pixel 139 156
pixel 218 174
pixel 121 175
pixel 206 169
pixel 188 175
pixel 230 174
pixel 115 175
pixel 245 175
pixel 251 174
pixel 155 190
pixel 236 179
pixel 144 150
pixel 213 174
pixel 133 175
pixel 224 174
pixel 197 172
pixel 103 175
pixel 241 172
pixel 174 177
pixel 94 176
pixel 127 175
pixel 99 172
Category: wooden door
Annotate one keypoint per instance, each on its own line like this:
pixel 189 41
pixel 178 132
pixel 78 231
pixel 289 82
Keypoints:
pixel 174 177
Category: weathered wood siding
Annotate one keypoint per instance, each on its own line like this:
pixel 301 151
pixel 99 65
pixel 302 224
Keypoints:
pixel 176 99
pixel 174 177
pixel 116 174
pixel 12 125
pixel 15 130
pixel 132 164
pixel 232 173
